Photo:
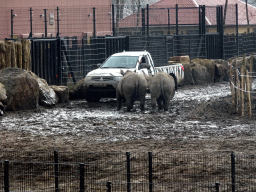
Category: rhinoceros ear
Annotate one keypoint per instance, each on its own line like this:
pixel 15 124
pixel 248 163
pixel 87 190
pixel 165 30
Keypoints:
pixel 122 72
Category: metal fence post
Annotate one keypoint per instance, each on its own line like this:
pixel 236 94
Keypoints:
pixel 220 30
pixel 113 20
pixel 203 19
pixel 12 23
pixel 31 21
pixel 109 186
pixel 83 56
pixel 58 23
pixel 147 19
pixel 200 19
pixel 177 19
pixel 81 167
pixel 237 36
pixel 233 172
pixel 128 171
pixel 127 43
pixel 143 17
pixel 150 170
pixel 59 57
pixel 169 23
pixel 56 167
pixel 6 176
pixel 94 22
pixel 45 23
pixel 217 187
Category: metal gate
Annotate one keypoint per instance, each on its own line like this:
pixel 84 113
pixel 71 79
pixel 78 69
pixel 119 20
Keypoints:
pixel 45 62
pixel 62 61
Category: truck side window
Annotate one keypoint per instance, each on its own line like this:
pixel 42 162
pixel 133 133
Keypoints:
pixel 142 63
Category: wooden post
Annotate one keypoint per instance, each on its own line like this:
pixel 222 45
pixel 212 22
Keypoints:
pixel 18 47
pixel 26 63
pixel 2 54
pixel 231 78
pixel 8 58
pixel 13 54
pixel 236 87
pixel 242 90
pixel 251 70
pixel 248 88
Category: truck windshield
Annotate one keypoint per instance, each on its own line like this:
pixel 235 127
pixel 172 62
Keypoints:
pixel 120 62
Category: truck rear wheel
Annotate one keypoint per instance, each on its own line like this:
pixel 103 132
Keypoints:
pixel 93 98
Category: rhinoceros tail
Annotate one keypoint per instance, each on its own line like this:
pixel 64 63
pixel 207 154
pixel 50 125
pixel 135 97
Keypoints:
pixel 162 88
pixel 136 87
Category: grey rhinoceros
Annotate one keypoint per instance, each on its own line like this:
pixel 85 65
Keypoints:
pixel 132 86
pixel 162 90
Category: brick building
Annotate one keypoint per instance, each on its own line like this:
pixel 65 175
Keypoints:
pixel 75 17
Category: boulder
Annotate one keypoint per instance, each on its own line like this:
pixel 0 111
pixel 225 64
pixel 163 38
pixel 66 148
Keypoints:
pixel 209 64
pixel 2 109
pixel 79 90
pixel 188 79
pixel 2 46
pixel 47 95
pixel 22 90
pixel 2 97
pixel 219 73
pixel 199 74
pixel 62 92
pixel 2 92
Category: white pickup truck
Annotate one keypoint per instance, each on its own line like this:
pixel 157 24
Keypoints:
pixel 102 82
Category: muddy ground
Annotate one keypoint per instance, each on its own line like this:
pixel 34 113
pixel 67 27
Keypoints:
pixel 201 119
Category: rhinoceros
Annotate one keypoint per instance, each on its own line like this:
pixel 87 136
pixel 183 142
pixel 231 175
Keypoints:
pixel 132 86
pixel 162 90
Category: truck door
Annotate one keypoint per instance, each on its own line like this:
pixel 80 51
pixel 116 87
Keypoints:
pixel 142 67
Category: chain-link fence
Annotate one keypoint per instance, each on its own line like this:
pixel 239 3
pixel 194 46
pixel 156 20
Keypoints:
pixel 84 171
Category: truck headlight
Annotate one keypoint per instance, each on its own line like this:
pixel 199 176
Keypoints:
pixel 88 78
pixel 118 78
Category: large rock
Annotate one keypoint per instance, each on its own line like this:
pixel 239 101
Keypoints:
pixel 79 90
pixel 2 46
pixel 2 92
pixel 22 90
pixel 199 74
pixel 2 109
pixel 209 64
pixel 47 95
pixel 62 92
pixel 2 97
pixel 188 79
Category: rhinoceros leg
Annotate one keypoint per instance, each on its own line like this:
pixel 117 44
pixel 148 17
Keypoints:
pixel 166 104
pixel 119 102
pixel 160 103
pixel 142 103
pixel 153 103
pixel 129 104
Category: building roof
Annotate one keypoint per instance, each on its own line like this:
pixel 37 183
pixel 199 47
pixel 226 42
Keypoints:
pixel 164 12
pixel 241 10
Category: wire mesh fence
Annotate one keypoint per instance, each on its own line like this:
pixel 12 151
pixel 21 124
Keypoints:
pixel 114 20
pixel 112 171
pixel 68 60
